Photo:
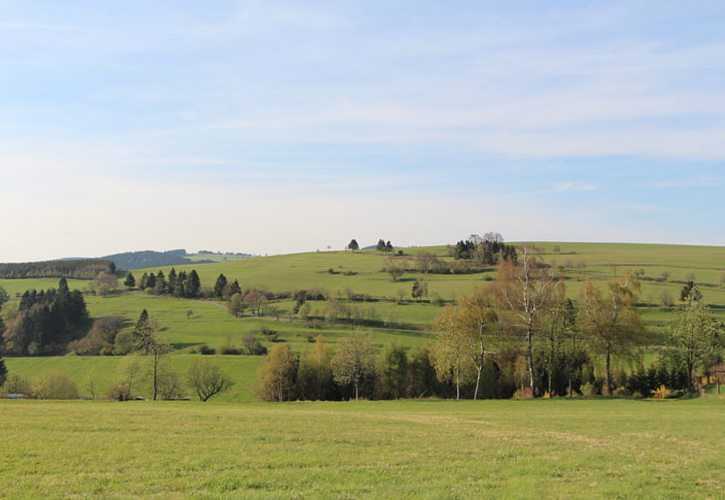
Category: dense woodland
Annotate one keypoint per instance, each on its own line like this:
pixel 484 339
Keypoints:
pixel 79 269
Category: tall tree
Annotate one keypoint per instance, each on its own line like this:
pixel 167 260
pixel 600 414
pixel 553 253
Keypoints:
pixel 147 342
pixel 393 371
pixel 193 287
pixel 277 376
pixel 696 337
pixel 610 322
pixel 557 343
pixel 221 282
pixel 354 361
pixel 353 245
pixel 452 351
pixel 524 289
pixel 479 322
pixel 315 372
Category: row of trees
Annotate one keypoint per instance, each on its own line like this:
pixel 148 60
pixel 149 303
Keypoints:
pixel 45 321
pixel 179 285
pixel 353 371
pixel 527 308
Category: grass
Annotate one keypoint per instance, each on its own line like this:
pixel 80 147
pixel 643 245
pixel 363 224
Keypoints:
pixel 429 449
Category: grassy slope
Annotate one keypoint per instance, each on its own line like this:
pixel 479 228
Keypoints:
pixel 211 324
pixel 522 449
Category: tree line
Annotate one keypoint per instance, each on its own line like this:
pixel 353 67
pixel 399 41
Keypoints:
pixel 79 269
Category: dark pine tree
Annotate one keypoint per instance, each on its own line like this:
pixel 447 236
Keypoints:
pixel 353 245
pixel 63 285
pixel 193 288
pixel 3 372
pixel 130 281
pixel 221 282
pixel 234 288
pixel 173 279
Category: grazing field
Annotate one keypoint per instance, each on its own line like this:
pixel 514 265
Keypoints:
pixel 431 449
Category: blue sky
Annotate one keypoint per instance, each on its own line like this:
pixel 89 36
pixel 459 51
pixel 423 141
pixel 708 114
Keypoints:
pixel 276 127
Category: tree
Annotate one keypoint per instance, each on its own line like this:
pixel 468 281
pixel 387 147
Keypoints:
pixel 148 344
pixel 3 371
pixel 394 268
pixel 169 382
pixel 207 379
pixel 419 290
pixel 479 322
pixel 4 297
pixel 221 283
pixel 193 285
pixel 690 291
pixel 393 371
pixel 353 245
pixel 130 281
pixel 277 376
pixel 388 247
pixel 354 361
pixel 610 322
pixel 524 289
pixel 236 305
pixel 452 351
pixel 315 372
pixel 696 336
pixel 557 330
pixel 380 247
pixel 105 284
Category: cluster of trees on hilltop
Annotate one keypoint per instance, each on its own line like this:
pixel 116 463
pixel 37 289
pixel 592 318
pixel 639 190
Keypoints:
pixel 179 285
pixel 149 258
pixel 46 321
pixel 80 269
pixel 488 249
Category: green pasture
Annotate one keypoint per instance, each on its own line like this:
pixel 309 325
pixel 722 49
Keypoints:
pixel 421 449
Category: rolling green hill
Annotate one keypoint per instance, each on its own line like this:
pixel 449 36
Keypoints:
pixel 188 323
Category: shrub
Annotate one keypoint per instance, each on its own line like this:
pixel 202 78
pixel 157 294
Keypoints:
pixel 123 343
pixel 15 384
pixel 54 386
pixel 231 350
pixel 588 389
pixel 252 346
pixel 119 391
pixel 662 392
pixel 170 386
pixel 206 350
pixel 100 339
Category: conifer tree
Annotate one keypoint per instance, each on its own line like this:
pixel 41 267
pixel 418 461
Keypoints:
pixel 130 281
pixel 193 287
pixel 221 282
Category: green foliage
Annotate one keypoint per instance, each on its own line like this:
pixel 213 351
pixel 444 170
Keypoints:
pixel 54 386
pixel 354 361
pixel 85 269
pixel 277 377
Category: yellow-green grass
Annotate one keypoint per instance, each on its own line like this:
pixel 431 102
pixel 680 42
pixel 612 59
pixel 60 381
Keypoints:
pixel 426 449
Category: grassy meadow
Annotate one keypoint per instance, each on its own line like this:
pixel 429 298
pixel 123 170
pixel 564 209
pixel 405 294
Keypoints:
pixel 430 449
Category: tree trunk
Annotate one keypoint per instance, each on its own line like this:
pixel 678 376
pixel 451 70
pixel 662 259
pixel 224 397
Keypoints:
pixel 608 372
pixel 155 377
pixel 570 384
pixel 356 392
pixel 530 360
pixel 458 391
pixel 480 369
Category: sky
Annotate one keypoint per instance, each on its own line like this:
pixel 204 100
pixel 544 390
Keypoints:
pixel 275 127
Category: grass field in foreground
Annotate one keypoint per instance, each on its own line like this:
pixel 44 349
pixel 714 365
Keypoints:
pixel 433 449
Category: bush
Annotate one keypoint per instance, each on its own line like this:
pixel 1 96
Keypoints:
pixel 54 386
pixel 119 391
pixel 15 384
pixel 588 389
pixel 123 343
pixel 231 350
pixel 100 339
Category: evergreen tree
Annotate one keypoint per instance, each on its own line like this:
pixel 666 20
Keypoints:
pixel 221 282
pixel 353 245
pixel 388 247
pixel 151 281
pixel 130 281
pixel 235 288
pixel 3 372
pixel 143 284
pixel 172 280
pixel 193 287
pixel 380 247
pixel 63 285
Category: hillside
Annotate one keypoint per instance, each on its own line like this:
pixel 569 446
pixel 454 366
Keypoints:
pixel 344 276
